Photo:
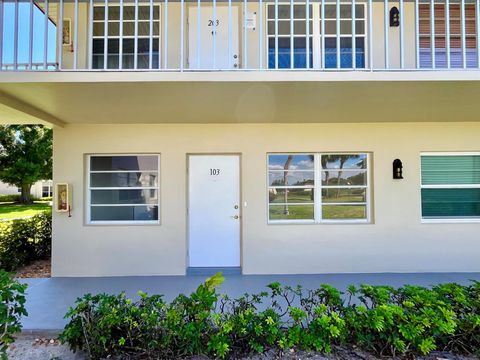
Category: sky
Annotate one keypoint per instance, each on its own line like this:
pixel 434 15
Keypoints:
pixel 24 32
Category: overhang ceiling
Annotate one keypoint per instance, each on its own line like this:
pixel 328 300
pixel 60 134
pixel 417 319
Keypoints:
pixel 121 102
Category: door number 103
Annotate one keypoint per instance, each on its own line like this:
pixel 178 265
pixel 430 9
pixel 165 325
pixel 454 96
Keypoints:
pixel 214 172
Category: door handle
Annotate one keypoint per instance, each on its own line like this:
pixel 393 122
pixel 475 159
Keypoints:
pixel 235 217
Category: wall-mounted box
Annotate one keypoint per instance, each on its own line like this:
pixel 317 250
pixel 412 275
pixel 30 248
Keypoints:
pixel 63 198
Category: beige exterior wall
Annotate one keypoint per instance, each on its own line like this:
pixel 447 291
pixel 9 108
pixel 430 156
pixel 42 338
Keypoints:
pixel 396 241
pixel 174 24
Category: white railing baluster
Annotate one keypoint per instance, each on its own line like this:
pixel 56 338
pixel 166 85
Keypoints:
pixel 199 40
pixel 477 23
pixel 260 35
pixel 60 35
pixel 165 36
pixel 463 35
pixel 1 33
pixel 307 33
pixel 245 35
pixel 90 38
pixel 447 32
pixel 402 34
pixel 214 44
pixel 338 34
pixel 150 42
pixel 135 38
pixel 417 35
pixel 354 44
pixel 230 55
pixel 182 32
pixel 291 35
pixel 386 16
pixel 322 37
pixel 276 34
pixel 105 35
pixel 30 37
pixel 432 33
pixel 75 36
pixel 370 35
pixel 15 37
pixel 120 36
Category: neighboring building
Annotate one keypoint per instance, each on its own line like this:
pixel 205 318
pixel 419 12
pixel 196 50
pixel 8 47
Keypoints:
pixel 43 188
pixel 254 135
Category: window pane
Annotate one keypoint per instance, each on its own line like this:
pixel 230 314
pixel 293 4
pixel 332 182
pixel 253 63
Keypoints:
pixel 339 195
pixel 291 178
pixel 138 179
pixel 351 161
pixel 344 212
pixel 290 162
pixel 290 195
pixel 461 169
pixel 144 196
pixel 445 203
pixel 291 212
pixel 127 163
pixel 124 213
pixel 98 13
pixel 344 178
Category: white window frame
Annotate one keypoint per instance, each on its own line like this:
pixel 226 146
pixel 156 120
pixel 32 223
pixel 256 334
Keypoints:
pixel 318 186
pixel 121 37
pixel 121 222
pixel 316 35
pixel 458 220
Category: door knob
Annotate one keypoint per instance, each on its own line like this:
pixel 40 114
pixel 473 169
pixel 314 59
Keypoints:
pixel 235 56
pixel 235 207
pixel 235 217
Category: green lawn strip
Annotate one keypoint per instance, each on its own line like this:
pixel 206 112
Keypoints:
pixel 15 210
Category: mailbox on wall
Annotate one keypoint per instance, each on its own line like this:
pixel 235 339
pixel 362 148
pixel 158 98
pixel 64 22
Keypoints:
pixel 63 198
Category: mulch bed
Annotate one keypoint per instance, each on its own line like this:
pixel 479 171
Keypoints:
pixel 37 269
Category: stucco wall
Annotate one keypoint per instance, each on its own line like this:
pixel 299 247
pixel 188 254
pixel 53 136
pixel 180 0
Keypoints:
pixel 396 241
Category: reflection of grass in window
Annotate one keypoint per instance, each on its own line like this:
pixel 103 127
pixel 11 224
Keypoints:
pixel 343 212
pixel 295 212
pixel 293 197
pixel 344 199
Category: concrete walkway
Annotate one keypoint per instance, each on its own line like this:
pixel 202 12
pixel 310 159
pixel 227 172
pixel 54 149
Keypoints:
pixel 49 299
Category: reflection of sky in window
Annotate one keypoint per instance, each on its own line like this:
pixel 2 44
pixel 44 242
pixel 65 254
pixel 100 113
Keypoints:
pixel 352 162
pixel 24 34
pixel 299 162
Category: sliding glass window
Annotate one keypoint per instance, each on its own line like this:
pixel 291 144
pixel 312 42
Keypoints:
pixel 318 187
pixel 450 186
pixel 123 189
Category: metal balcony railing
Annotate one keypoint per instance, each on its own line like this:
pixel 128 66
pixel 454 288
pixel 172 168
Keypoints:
pixel 218 35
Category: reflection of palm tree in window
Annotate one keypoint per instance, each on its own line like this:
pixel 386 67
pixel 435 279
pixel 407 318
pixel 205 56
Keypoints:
pixel 286 168
pixel 341 159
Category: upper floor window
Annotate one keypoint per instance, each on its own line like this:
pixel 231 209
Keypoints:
pixel 123 189
pixel 118 29
pixel 450 186
pixel 341 34
pixel 442 38
pixel 318 187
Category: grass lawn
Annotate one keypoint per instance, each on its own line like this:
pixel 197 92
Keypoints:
pixel 15 210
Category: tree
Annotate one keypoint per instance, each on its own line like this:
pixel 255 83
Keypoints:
pixel 25 156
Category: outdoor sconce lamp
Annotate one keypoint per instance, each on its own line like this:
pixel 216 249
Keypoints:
pixel 394 17
pixel 397 169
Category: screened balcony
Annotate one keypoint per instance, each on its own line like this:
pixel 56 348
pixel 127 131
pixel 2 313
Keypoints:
pixel 228 35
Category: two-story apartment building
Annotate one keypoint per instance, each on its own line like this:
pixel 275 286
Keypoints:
pixel 267 136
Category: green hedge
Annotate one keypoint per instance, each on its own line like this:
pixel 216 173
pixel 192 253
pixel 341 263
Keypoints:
pixel 384 320
pixel 12 307
pixel 25 240
pixel 16 198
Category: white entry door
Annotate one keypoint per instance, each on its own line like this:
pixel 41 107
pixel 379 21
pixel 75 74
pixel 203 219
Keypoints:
pixel 209 32
pixel 214 210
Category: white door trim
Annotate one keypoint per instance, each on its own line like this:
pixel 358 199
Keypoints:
pixel 240 204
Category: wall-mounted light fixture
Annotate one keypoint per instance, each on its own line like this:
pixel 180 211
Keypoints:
pixel 397 169
pixel 394 17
